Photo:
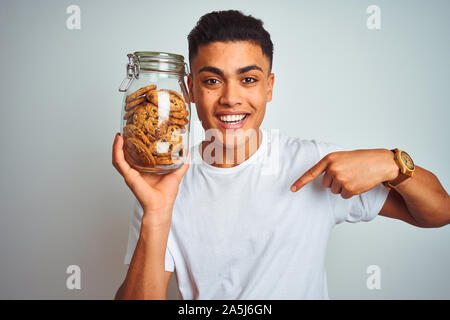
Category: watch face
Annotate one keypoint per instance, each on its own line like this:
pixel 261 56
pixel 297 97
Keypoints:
pixel 407 160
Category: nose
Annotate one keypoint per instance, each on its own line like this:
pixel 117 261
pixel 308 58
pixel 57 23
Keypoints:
pixel 230 95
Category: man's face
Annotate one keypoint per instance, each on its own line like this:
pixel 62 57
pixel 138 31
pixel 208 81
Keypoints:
pixel 230 85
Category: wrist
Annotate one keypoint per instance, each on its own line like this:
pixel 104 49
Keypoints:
pixel 394 170
pixel 156 220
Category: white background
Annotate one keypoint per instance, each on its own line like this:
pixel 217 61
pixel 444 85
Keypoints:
pixel 63 203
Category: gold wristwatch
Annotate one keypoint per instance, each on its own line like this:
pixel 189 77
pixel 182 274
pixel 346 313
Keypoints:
pixel 406 167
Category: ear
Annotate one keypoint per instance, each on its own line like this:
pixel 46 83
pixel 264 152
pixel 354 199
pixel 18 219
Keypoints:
pixel 190 82
pixel 270 82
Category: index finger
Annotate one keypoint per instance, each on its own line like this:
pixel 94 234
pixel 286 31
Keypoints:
pixel 310 175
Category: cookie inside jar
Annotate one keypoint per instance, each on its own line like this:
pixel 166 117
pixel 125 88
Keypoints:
pixel 154 126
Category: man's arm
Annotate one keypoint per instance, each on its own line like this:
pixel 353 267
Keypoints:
pixel 146 277
pixel 420 200
pixel 119 294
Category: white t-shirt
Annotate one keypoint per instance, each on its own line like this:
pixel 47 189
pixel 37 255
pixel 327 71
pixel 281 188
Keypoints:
pixel 240 233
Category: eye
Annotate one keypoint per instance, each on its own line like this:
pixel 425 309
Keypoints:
pixel 249 80
pixel 211 81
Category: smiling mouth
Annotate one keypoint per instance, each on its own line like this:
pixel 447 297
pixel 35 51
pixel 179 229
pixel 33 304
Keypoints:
pixel 232 119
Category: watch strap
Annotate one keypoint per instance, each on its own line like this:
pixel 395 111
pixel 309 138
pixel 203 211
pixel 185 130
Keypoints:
pixel 392 184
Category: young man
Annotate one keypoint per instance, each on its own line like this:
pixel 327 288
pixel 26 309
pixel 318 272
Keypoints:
pixel 248 219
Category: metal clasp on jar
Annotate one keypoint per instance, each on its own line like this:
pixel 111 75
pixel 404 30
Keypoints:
pixel 132 71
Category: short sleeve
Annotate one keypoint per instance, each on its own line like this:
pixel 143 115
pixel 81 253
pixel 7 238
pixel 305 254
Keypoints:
pixel 362 207
pixel 133 236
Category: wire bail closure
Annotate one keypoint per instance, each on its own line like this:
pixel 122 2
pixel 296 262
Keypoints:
pixel 132 71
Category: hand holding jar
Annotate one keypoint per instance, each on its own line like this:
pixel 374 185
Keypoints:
pixel 156 193
pixel 151 154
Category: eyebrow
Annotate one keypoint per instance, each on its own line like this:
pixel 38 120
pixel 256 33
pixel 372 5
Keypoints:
pixel 220 72
pixel 212 70
pixel 249 68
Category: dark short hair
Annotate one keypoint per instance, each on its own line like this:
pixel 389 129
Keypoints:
pixel 229 25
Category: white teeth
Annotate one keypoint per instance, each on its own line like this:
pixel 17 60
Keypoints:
pixel 232 118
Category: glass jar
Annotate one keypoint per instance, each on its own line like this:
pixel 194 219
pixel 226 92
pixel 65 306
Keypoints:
pixel 155 112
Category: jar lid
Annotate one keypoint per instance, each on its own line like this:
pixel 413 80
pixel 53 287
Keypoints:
pixel 160 61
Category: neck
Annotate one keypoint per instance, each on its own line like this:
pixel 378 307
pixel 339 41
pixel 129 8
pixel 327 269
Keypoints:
pixel 222 156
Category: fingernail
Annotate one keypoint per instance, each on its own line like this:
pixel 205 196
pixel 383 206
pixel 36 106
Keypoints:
pixel 293 188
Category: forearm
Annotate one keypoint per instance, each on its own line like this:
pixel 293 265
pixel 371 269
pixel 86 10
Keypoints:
pixel 145 277
pixel 426 199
